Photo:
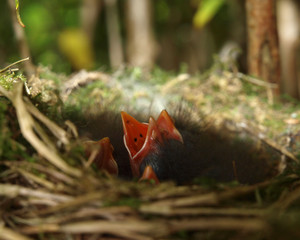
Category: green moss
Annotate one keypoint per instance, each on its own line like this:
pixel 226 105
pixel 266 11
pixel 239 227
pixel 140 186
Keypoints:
pixel 182 235
pixel 159 76
pixel 248 89
pixel 274 123
pixel 92 98
pixel 46 73
pixel 125 201
pixel 8 78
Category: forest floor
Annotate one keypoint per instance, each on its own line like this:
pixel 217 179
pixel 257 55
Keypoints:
pixel 49 191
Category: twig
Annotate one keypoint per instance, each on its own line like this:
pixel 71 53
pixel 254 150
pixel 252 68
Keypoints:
pixel 18 14
pixel 21 39
pixel 256 81
pixel 270 87
pixel 272 144
pixel 15 63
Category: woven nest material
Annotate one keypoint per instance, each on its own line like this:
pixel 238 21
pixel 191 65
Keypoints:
pixel 55 198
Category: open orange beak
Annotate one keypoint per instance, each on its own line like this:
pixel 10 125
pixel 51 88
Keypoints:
pixel 103 154
pixel 149 175
pixel 134 133
pixel 167 127
pixel 140 138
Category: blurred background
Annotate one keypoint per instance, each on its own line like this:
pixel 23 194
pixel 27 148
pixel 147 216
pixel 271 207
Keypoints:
pixel 73 34
pixel 174 35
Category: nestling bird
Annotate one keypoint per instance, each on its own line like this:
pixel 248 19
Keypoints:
pixel 179 150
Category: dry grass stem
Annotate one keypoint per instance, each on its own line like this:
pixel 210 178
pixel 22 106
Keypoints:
pixel 27 125
pixel 220 224
pixel 50 171
pixel 41 181
pixel 10 190
pixel 8 234
pixel 151 229
pixel 209 199
pixel 90 199
pixel 54 128
pixel 195 211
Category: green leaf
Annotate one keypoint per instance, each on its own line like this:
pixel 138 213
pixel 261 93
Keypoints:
pixel 206 11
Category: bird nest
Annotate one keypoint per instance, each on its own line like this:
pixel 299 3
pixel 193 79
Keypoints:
pixel 48 191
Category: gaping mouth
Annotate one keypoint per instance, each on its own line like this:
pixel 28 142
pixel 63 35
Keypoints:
pixel 142 138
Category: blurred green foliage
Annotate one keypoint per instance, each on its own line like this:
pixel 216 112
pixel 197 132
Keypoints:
pixel 173 25
pixel 44 21
pixel 206 11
